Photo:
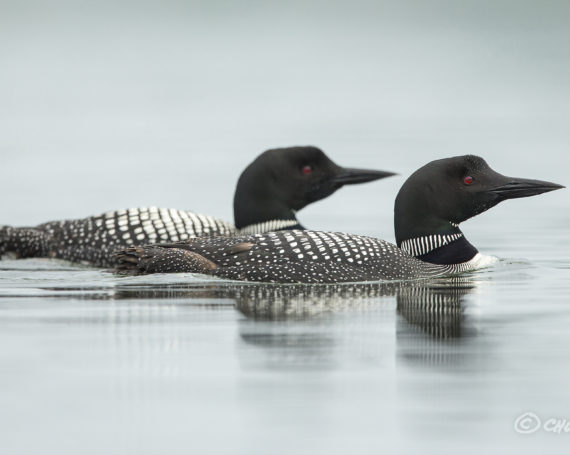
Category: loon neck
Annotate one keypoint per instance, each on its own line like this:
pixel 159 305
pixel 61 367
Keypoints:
pixel 258 201
pixel 257 211
pixel 448 246
pixel 271 226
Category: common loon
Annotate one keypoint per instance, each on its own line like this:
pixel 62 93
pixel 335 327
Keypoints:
pixel 428 209
pixel 270 191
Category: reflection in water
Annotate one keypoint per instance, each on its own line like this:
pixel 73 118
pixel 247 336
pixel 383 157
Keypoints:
pixel 436 308
pixel 291 324
pixel 298 302
pixel 434 326
pixel 291 327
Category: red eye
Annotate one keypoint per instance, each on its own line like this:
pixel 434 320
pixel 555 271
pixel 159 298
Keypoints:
pixel 468 180
pixel 307 169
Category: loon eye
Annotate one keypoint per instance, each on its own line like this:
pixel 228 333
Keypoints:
pixel 468 180
pixel 307 169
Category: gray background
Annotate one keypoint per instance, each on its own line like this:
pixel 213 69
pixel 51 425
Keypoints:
pixel 105 105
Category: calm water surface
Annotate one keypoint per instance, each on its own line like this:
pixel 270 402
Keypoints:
pixel 106 105
pixel 180 364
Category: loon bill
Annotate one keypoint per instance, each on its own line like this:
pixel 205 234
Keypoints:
pixel 428 210
pixel 270 191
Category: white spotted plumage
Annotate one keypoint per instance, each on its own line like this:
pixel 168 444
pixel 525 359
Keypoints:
pixel 295 256
pixel 95 240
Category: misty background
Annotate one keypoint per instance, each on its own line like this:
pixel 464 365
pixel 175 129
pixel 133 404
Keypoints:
pixel 106 105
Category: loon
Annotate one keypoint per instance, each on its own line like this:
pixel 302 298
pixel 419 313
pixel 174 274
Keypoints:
pixel 429 207
pixel 269 192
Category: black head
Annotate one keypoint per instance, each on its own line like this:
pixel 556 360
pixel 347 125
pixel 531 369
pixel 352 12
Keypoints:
pixel 282 181
pixel 443 193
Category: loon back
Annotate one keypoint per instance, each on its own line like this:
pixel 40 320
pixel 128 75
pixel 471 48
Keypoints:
pixel 429 208
pixel 95 240
pixel 269 192
pixel 282 257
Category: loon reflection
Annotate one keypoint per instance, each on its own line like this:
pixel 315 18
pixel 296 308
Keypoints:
pixel 318 326
pixel 432 317
pixel 434 307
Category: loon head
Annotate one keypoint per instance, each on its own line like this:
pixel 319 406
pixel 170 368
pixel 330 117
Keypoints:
pixel 442 194
pixel 282 181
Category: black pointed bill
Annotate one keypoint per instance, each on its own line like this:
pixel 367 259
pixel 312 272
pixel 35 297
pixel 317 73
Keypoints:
pixel 515 188
pixel 348 176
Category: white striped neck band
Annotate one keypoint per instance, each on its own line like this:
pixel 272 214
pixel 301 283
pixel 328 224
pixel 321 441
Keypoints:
pixel 419 246
pixel 268 226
